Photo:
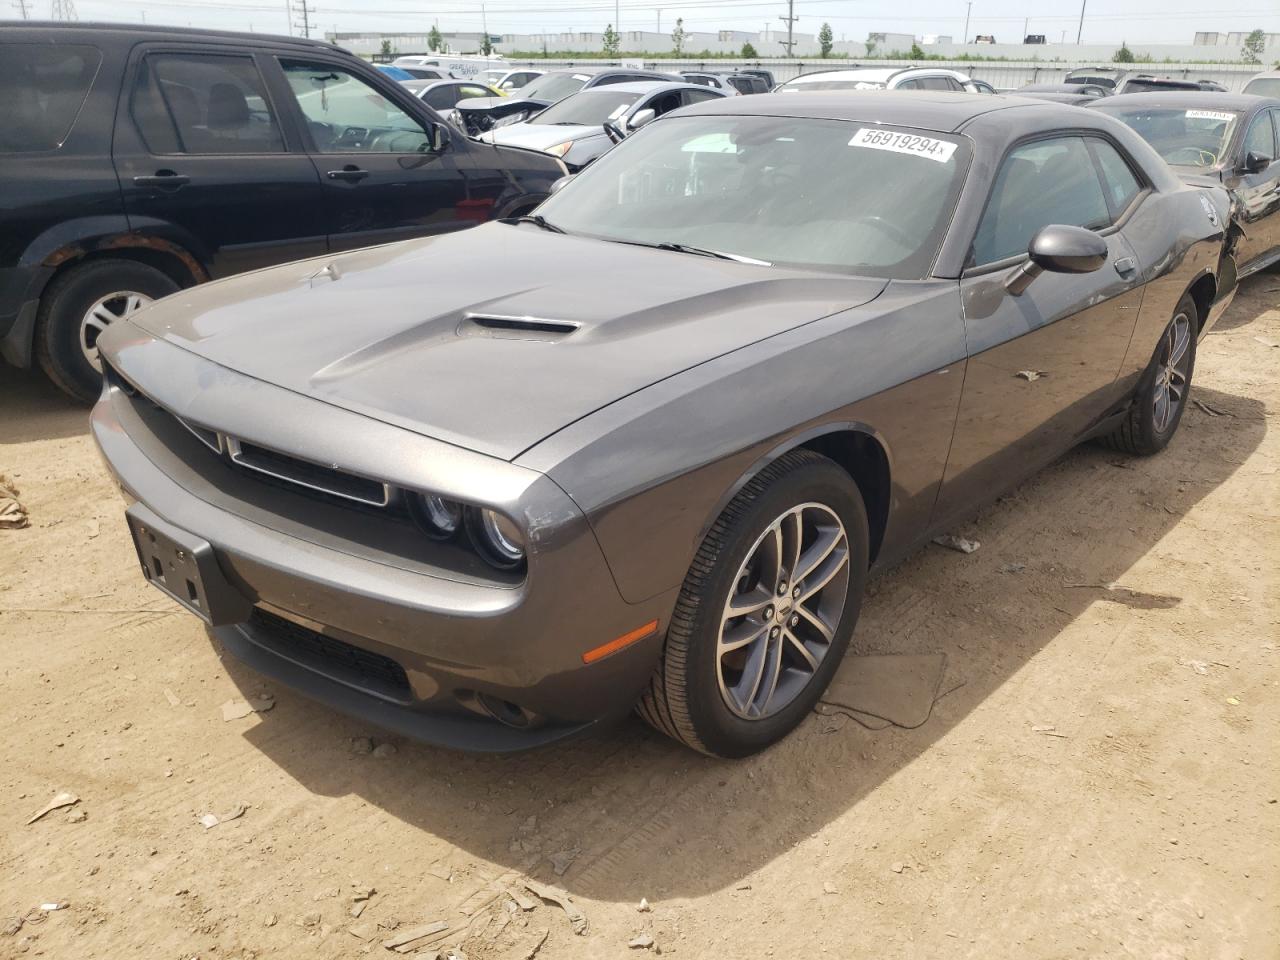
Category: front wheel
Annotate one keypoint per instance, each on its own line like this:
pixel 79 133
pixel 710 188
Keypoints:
pixel 1162 396
pixel 766 611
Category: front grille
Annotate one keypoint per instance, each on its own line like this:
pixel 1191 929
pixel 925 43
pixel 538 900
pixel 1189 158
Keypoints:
pixel 342 661
pixel 313 476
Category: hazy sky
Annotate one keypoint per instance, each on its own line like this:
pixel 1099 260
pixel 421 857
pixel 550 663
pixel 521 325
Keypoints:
pixel 1162 21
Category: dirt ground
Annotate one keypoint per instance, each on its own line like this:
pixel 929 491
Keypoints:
pixel 1100 779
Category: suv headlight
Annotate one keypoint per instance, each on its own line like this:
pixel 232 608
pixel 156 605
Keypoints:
pixel 496 537
pixel 439 518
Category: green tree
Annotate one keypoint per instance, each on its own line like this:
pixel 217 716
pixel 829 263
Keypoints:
pixel 871 47
pixel 385 48
pixel 611 41
pixel 916 53
pixel 1123 55
pixel 826 40
pixel 1253 45
pixel 749 52
pixel 434 40
pixel 677 36
pixel 486 46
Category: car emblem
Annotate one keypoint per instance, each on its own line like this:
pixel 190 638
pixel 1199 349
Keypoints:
pixel 1209 212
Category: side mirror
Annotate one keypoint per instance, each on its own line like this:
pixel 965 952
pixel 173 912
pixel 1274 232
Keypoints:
pixel 1059 249
pixel 438 137
pixel 1256 162
pixel 641 117
pixel 560 184
pixel 614 131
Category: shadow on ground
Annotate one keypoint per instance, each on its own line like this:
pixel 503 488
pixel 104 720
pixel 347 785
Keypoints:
pixel 32 408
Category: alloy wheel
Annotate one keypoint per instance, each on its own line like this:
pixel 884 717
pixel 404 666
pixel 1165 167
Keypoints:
pixel 1171 372
pixel 105 311
pixel 783 610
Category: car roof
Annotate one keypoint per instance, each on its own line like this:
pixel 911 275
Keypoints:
pixel 643 86
pixel 135 31
pixel 941 111
pixel 1198 99
pixel 871 75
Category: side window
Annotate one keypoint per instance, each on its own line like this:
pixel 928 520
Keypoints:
pixel 442 97
pixel 347 115
pixel 470 90
pixel 42 88
pixel 1117 177
pixel 697 96
pixel 1261 138
pixel 198 104
pixel 1039 183
pixel 908 85
pixel 615 78
pixel 954 84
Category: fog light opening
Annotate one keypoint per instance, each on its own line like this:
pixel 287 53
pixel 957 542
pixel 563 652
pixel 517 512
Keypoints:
pixel 504 711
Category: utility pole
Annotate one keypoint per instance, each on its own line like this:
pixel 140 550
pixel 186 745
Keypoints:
pixel 1080 29
pixel 790 18
pixel 617 17
pixel 22 9
pixel 968 7
pixel 1026 24
pixel 303 9
pixel 659 19
pixel 65 10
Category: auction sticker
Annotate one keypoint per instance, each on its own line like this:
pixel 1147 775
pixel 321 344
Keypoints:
pixel 1210 115
pixel 912 144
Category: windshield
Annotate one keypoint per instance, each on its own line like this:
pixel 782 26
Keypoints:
pixel 840 83
pixel 1104 82
pixel 590 108
pixel 822 194
pixel 1263 87
pixel 1184 138
pixel 554 86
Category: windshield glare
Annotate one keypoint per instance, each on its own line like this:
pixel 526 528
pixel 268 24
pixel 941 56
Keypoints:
pixel 553 86
pixel 589 108
pixel 1184 138
pixel 822 194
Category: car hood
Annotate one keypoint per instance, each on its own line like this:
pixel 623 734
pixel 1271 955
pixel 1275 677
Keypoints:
pixel 500 105
pixel 493 338
pixel 539 136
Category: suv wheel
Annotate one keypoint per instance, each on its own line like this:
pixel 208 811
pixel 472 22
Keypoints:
pixel 78 306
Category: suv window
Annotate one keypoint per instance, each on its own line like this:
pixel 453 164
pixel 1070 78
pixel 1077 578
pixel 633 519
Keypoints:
pixel 1260 138
pixel 42 88
pixel 193 103
pixel 1117 177
pixel 697 96
pixel 1039 183
pixel 442 97
pixel 347 115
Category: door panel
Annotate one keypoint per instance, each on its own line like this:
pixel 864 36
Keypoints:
pixel 202 159
pixel 1259 195
pixel 379 178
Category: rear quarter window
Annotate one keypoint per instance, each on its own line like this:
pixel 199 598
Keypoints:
pixel 42 89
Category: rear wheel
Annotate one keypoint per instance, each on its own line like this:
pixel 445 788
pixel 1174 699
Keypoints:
pixel 78 306
pixel 1162 396
pixel 766 612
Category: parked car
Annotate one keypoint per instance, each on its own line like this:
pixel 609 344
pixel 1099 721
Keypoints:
pixel 459 67
pixel 765 75
pixel 1081 91
pixel 1114 80
pixel 443 95
pixel 1265 84
pixel 140 160
pixel 979 86
pixel 749 357
pixel 487 113
pixel 727 84
pixel 1230 139
pixel 395 73
pixel 426 73
pixel 877 78
pixel 505 81
pixel 1211 85
pixel 574 128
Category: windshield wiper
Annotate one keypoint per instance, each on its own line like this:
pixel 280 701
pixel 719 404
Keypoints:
pixel 538 220
pixel 697 251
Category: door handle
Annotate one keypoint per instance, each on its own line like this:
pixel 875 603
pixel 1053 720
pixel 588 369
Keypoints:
pixel 1125 266
pixel 350 173
pixel 162 178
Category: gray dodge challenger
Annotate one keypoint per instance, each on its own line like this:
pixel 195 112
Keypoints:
pixel 757 353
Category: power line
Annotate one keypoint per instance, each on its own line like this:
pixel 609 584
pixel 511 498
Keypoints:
pixel 303 10
pixel 64 10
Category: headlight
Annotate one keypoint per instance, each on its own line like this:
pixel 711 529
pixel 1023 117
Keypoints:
pixel 497 537
pixel 439 518
pixel 510 119
pixel 560 149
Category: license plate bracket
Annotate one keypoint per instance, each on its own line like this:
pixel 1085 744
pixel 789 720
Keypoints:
pixel 183 566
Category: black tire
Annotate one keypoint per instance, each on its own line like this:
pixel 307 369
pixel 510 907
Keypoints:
pixel 64 306
pixel 684 699
pixel 1140 433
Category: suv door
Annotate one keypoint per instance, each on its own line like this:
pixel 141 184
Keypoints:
pixel 370 142
pixel 1259 193
pixel 204 160
pixel 1043 365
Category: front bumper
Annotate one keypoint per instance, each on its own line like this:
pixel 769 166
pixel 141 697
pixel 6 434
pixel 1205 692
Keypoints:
pixel 435 652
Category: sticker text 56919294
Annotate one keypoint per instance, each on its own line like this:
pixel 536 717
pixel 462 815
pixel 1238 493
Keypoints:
pixel 931 148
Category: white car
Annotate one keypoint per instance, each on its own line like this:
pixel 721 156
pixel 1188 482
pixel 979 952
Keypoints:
pixel 884 78
pixel 509 80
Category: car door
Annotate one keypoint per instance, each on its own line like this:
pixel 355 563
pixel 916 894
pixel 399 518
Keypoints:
pixel 204 160
pixel 370 142
pixel 1258 193
pixel 1043 365
pixel 442 98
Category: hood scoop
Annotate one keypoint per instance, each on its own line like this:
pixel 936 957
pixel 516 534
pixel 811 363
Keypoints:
pixel 516 328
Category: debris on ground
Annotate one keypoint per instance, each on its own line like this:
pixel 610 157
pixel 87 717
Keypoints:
pixel 1267 343
pixel 644 906
pixel 577 919
pixel 952 542
pixel 897 866
pixel 210 820
pixel 384 750
pixel 172 698
pixel 63 799
pixel 1211 411
pixel 884 689
pixel 642 942
pixel 535 946
pixel 1012 567
pixel 561 861
pixel 829 887
pixel 239 709
pixel 361 746
pixel 363 931
pixel 10 926
pixel 1199 666
pixel 406 941
pixel 77 816
pixel 522 900
pixel 13 515
pixel 1030 375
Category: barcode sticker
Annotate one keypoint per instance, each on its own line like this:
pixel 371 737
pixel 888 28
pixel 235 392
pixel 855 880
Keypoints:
pixel 931 148
pixel 1210 115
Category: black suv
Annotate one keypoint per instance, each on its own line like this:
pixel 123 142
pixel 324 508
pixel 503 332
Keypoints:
pixel 137 161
